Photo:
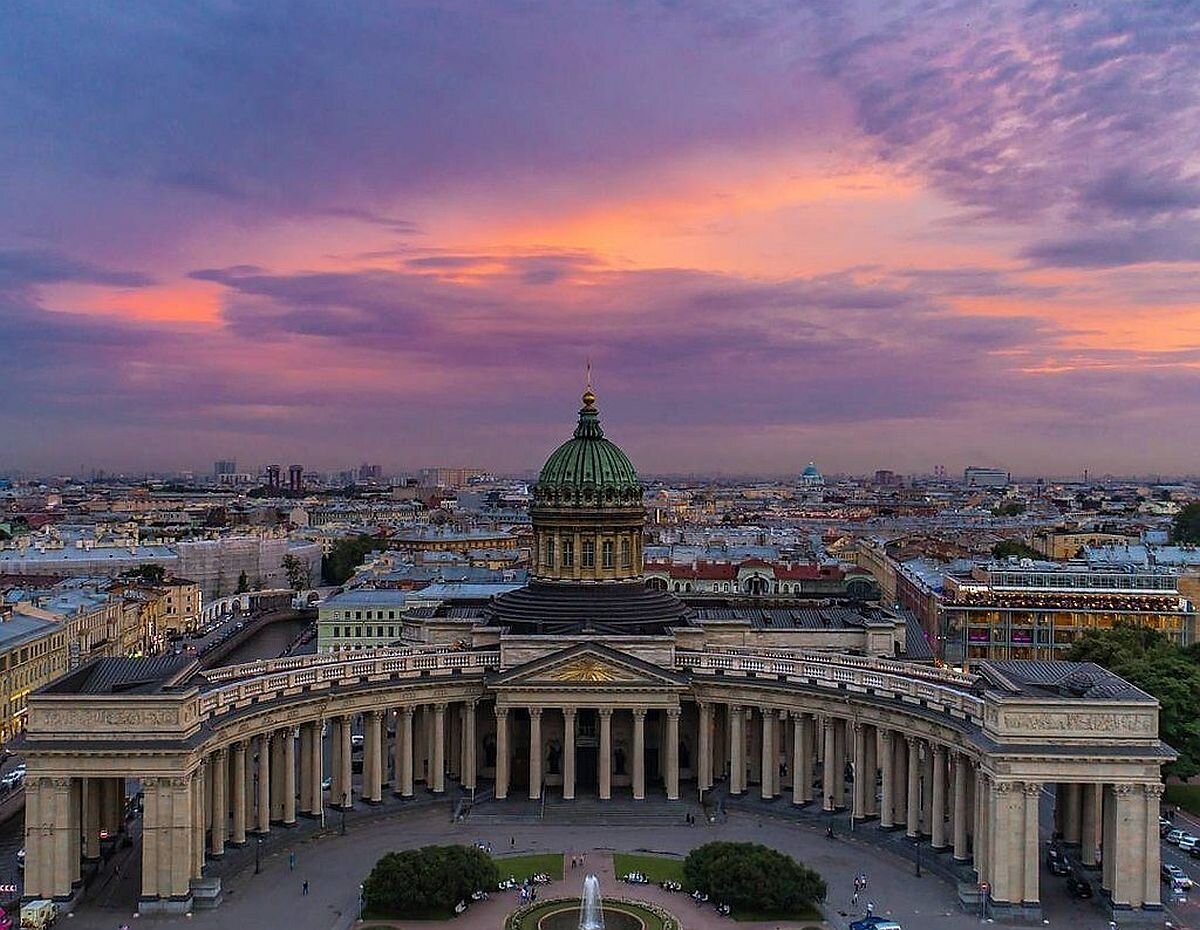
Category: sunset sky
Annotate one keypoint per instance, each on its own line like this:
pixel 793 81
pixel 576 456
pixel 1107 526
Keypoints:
pixel 876 235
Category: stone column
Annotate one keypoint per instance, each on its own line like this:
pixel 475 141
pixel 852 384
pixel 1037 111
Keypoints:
pixel 960 808
pixel 1001 831
pixel 197 846
pixel 220 810
pixel 913 802
pixel 980 848
pixel 798 757
pixel 153 839
pixel 317 765
pixel 501 753
pixel 345 780
pixel 112 799
pixel 1070 799
pixel 1108 834
pixel 38 865
pixel 335 761
pixel 404 753
pixel 839 768
pixel 568 753
pixel 605 761
pixel 704 752
pixel 737 750
pixel 828 778
pixel 673 754
pixel 1152 847
pixel 900 771
pixel 277 750
pixel 306 738
pixel 639 754
pixel 887 781
pixel 470 749
pixel 75 830
pixel 237 834
pixel 937 829
pixel 91 819
pixel 373 757
pixel 870 768
pixel 769 757
pixel 1089 837
pixel 1029 889
pixel 926 790
pixel 288 736
pixel 438 764
pixel 264 783
pixel 535 753
pixel 859 750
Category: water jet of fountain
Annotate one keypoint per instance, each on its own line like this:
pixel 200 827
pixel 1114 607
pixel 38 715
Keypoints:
pixel 591 912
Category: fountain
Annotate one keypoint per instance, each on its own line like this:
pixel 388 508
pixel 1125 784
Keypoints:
pixel 591 913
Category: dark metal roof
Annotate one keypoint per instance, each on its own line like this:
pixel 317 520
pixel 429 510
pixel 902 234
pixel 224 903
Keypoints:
pixel 1074 680
pixel 125 676
pixel 619 608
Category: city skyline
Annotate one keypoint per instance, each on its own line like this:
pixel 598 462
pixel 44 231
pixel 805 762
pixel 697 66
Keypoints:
pixel 957 235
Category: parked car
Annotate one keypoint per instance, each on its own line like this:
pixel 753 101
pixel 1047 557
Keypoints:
pixel 1056 861
pixel 1172 873
pixel 1188 843
pixel 875 923
pixel 1078 888
pixel 1194 852
pixel 1174 836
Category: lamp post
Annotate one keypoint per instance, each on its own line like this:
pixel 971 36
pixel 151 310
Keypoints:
pixel 258 856
pixel 345 804
pixel 360 902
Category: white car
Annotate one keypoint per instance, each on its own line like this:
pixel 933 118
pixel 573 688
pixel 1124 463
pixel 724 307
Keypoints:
pixel 1175 836
pixel 1176 875
pixel 1188 843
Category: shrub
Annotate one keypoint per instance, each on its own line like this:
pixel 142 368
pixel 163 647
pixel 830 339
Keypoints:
pixel 427 882
pixel 750 876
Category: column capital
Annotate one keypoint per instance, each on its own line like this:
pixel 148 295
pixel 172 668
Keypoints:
pixel 673 711
pixel 1154 791
pixel 569 711
pixel 783 715
pixel 407 710
pixel 886 735
pixel 439 707
pixel 219 754
pixel 939 750
pixel 535 712
pixel 1002 787
pixel 857 725
pixel 501 712
pixel 374 714
pixel 639 712
pixel 734 707
pixel 1122 790
pixel 240 745
pixel 1032 789
pixel 604 711
pixel 701 705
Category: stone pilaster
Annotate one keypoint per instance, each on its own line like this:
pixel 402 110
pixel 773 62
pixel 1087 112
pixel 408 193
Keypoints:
pixel 605 756
pixel 220 809
pixel 887 780
pixel 913 799
pixel 237 784
pixel 737 749
pixel 535 753
pixel 937 828
pixel 439 749
pixel 704 748
pixel 470 747
pixel 829 799
pixel 870 769
pixel 502 752
pixel 639 753
pixel 769 759
pixel 317 765
pixel 264 784
pixel 568 753
pixel 345 780
pixel 288 737
pixel 373 757
pixel 960 808
pixel 859 752
pixel 1029 888
pixel 673 754
pixel 404 754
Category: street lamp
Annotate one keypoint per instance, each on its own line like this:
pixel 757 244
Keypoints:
pixel 360 902
pixel 345 804
pixel 258 856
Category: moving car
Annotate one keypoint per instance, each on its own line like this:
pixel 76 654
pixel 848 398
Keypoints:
pixel 1056 862
pixel 1078 888
pixel 1173 873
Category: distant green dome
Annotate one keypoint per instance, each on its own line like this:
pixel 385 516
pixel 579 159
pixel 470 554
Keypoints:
pixel 587 469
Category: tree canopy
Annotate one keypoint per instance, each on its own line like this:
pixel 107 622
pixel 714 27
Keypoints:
pixel 427 882
pixel 1148 659
pixel 148 572
pixel 346 555
pixel 1007 547
pixel 1186 527
pixel 752 877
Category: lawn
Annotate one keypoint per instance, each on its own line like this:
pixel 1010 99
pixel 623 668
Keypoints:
pixel 1184 796
pixel 655 868
pixel 522 867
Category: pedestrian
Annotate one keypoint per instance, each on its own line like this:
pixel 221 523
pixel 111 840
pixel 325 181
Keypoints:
pixel 870 908
pixel 304 888
pixel 512 842
pixel 854 898
pixel 292 861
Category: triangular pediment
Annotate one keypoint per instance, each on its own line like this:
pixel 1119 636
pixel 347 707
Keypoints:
pixel 589 664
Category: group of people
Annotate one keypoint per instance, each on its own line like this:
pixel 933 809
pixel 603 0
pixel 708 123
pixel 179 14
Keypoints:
pixel 578 861
pixel 860 885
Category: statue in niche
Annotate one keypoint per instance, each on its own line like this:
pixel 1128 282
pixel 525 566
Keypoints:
pixel 553 757
pixel 489 751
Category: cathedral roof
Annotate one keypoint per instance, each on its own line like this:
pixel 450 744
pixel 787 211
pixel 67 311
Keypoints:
pixel 588 469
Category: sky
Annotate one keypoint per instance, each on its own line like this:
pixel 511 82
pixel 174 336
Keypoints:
pixel 873 235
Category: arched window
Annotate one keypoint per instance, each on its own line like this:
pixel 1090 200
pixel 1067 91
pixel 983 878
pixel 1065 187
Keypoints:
pixel 589 553
pixel 677 586
pixel 606 550
pixel 550 552
pixel 568 553
pixel 626 561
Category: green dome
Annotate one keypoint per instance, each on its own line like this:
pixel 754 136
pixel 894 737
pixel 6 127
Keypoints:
pixel 587 469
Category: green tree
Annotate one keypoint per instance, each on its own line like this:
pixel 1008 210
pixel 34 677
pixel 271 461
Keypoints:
pixel 298 574
pixel 427 882
pixel 1186 527
pixel 1007 547
pixel 346 555
pixel 243 584
pixel 753 877
pixel 1148 659
pixel 1009 509
pixel 148 572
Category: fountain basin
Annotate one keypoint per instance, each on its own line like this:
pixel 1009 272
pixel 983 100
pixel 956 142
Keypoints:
pixel 566 913
pixel 568 917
